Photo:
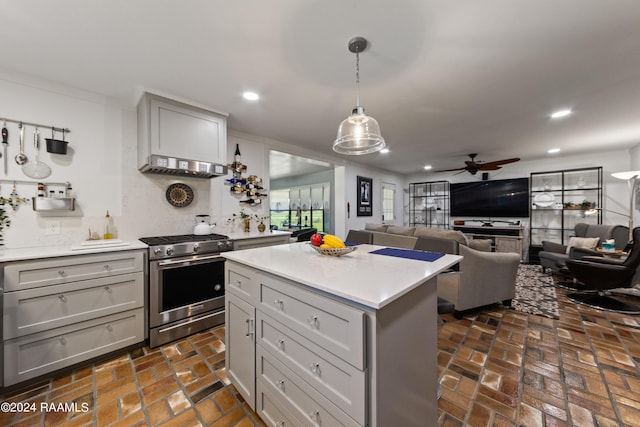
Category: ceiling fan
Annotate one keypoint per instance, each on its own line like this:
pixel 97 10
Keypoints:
pixel 473 167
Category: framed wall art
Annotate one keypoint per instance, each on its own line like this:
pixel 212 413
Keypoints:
pixel 365 204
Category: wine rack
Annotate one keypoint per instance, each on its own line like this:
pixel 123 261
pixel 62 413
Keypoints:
pixel 249 189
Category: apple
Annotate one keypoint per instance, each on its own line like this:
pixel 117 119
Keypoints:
pixel 316 239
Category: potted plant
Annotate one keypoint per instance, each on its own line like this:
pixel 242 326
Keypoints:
pixel 245 217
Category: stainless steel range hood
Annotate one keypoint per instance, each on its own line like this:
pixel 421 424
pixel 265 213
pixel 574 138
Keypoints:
pixel 183 167
pixel 179 138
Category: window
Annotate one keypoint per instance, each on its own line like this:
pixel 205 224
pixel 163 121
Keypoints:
pixel 388 197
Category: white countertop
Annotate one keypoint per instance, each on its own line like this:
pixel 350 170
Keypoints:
pixel 255 234
pixel 368 279
pixel 22 254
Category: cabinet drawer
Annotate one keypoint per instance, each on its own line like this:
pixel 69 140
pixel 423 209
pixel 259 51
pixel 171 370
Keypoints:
pixel 333 325
pixel 339 381
pixel 34 310
pixel 272 412
pixel 241 282
pixel 31 274
pixel 305 403
pixel 37 354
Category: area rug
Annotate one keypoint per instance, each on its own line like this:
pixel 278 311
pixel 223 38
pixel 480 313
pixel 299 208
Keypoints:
pixel 535 292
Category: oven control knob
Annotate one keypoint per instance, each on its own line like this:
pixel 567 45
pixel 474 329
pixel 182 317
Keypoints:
pixel 196 247
pixel 157 251
pixel 220 245
pixel 169 251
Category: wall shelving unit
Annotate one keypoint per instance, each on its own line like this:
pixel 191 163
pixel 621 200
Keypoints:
pixel 559 200
pixel 429 204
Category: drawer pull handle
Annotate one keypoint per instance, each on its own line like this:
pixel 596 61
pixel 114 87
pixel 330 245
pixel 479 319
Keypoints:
pixel 280 384
pixel 62 298
pixel 280 423
pixel 315 368
pixel 279 304
pixel 239 283
pixel 315 416
pixel 109 328
pixel 313 322
pixel 280 344
pixel 250 328
pixel 107 267
pixel 108 289
pixel 62 340
pixel 62 273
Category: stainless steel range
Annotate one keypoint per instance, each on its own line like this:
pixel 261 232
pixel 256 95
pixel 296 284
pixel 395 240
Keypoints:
pixel 186 285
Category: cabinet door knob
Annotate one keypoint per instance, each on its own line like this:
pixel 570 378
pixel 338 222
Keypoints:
pixel 280 423
pixel 313 322
pixel 62 273
pixel 315 416
pixel 108 289
pixel 62 340
pixel 280 344
pixel 315 368
pixel 109 328
pixel 62 298
pixel 279 304
pixel 107 267
pixel 280 384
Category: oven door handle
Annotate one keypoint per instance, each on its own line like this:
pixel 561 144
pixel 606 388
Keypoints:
pixel 189 261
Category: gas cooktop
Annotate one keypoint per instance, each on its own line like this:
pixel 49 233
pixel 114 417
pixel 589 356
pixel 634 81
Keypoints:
pixel 182 238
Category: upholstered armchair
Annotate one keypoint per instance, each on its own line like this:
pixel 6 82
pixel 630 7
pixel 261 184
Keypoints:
pixel 554 255
pixel 483 277
pixel 605 274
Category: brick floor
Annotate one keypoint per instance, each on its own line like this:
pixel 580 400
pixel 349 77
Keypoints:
pixel 498 367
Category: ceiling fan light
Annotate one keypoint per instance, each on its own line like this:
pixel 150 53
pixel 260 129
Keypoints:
pixel 358 134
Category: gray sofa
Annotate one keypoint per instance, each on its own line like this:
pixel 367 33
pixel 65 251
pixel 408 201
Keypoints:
pixel 482 278
pixel 554 255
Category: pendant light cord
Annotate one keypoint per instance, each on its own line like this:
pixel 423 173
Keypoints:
pixel 357 77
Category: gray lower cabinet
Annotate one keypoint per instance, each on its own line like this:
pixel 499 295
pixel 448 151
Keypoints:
pixel 296 357
pixel 61 311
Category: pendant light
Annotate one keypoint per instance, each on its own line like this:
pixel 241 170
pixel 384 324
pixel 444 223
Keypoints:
pixel 358 133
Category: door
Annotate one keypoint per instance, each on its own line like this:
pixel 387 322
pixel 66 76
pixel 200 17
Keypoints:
pixel 241 347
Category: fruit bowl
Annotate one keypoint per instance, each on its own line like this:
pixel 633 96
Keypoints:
pixel 334 251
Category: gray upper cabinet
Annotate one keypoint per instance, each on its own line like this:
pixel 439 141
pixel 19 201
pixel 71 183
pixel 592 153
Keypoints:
pixel 181 131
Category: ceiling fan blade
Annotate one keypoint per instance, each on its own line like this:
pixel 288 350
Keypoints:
pixel 499 162
pixel 470 163
pixel 489 167
pixel 451 170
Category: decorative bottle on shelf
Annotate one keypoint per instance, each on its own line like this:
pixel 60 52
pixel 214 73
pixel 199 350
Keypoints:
pixel 237 158
pixel 251 201
pixel 108 227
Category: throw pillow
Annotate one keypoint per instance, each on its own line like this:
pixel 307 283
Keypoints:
pixel 375 227
pixel 403 231
pixel 582 242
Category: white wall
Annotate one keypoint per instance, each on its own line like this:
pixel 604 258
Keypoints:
pixel 101 166
pixel 616 194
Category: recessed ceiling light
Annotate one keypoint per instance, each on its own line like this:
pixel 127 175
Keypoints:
pixel 560 113
pixel 384 151
pixel 251 96
pixel 427 167
pixel 553 150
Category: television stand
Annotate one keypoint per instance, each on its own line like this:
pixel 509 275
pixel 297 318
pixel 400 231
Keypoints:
pixel 503 239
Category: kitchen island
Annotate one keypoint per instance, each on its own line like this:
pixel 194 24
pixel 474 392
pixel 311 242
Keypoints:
pixel 319 340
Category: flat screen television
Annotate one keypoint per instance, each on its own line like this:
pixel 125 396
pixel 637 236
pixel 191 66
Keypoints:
pixel 505 198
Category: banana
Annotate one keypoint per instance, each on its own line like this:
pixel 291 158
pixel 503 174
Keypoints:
pixel 324 246
pixel 333 241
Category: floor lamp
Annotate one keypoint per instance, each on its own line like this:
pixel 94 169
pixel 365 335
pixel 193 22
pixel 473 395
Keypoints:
pixel 632 181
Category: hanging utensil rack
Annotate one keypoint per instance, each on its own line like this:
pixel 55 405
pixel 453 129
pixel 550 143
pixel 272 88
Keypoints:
pixel 38 125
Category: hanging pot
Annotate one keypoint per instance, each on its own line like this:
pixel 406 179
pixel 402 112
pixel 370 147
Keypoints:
pixel 56 146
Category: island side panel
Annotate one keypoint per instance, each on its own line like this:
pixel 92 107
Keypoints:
pixel 403 360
